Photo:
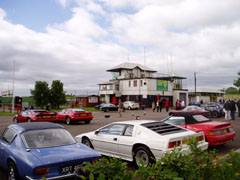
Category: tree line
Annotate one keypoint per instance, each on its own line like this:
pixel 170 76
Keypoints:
pixel 234 90
pixel 44 95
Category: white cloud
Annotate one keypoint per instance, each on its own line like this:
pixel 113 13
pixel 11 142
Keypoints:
pixel 203 36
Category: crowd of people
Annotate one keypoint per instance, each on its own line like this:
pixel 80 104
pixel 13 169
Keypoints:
pixel 230 107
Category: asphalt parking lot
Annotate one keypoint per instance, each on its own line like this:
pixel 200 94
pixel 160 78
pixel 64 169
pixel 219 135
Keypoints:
pixel 100 120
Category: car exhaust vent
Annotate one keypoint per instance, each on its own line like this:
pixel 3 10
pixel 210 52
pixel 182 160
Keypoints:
pixel 163 128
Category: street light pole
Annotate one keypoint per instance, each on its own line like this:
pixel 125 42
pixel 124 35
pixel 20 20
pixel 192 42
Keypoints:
pixel 195 82
pixel 13 105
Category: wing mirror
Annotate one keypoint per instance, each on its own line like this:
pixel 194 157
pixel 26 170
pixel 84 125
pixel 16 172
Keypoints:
pixel 96 132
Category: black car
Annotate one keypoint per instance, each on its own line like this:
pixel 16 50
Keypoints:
pixel 216 109
pixel 108 107
pixel 99 106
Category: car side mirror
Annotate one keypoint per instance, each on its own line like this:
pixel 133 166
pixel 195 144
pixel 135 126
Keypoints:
pixel 96 132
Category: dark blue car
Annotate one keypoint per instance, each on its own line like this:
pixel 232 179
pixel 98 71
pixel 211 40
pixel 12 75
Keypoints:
pixel 41 149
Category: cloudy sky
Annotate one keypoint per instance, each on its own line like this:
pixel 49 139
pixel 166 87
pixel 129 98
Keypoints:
pixel 76 41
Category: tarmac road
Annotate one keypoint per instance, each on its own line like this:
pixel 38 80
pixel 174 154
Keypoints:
pixel 100 120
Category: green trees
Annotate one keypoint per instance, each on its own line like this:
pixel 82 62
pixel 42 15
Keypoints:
pixel 57 95
pixel 43 95
pixel 237 82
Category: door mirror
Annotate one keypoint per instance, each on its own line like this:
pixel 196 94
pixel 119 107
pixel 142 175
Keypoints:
pixel 96 132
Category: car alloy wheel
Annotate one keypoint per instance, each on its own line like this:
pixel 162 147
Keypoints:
pixel 68 120
pixel 215 114
pixel 12 171
pixel 87 142
pixel 143 157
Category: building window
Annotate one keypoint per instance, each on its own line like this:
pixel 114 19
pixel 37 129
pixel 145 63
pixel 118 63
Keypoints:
pixel 129 83
pixel 109 87
pixel 141 83
pixel 117 87
pixel 135 83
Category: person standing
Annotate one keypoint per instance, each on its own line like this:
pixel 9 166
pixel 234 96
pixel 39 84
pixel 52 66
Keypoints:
pixel 160 105
pixel 157 104
pixel 178 105
pixel 227 107
pixel 166 105
pixel 120 107
pixel 182 104
pixel 233 109
pixel 153 106
pixel 238 106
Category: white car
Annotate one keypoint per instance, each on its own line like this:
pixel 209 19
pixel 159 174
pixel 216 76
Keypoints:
pixel 130 105
pixel 141 141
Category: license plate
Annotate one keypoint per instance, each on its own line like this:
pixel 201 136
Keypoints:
pixel 46 117
pixel 224 131
pixel 83 115
pixel 69 169
pixel 185 141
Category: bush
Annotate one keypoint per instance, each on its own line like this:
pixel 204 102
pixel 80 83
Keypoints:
pixel 197 165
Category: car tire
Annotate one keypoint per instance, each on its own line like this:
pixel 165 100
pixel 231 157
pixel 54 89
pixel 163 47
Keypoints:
pixel 142 156
pixel 214 114
pixel 12 171
pixel 29 120
pixel 68 120
pixel 15 120
pixel 87 142
pixel 87 121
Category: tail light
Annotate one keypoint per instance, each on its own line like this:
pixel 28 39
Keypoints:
pixel 200 138
pixel 174 144
pixel 41 171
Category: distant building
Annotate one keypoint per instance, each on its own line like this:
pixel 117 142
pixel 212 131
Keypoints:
pixel 205 95
pixel 86 100
pixel 139 83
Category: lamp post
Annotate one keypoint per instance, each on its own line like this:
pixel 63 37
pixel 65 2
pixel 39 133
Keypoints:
pixel 13 105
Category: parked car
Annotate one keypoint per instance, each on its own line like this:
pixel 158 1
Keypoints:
pixel 41 149
pixel 216 133
pixel 215 109
pixel 35 116
pixel 130 105
pixel 190 110
pixel 140 141
pixel 74 115
pixel 109 107
pixel 99 106
pixel 194 104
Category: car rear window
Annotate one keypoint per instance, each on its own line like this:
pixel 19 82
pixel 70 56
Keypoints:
pixel 47 138
pixel 163 128
pixel 200 118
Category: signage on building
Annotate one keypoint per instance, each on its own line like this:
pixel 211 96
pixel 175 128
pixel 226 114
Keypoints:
pixel 162 85
pixel 7 93
pixel 93 99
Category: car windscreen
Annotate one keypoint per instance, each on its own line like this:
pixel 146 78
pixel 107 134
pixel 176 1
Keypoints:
pixel 47 138
pixel 200 118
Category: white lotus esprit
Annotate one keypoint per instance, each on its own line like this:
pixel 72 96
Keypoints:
pixel 141 141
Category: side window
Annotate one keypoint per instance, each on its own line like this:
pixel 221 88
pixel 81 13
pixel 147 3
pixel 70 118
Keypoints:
pixel 105 130
pixel 8 135
pixel 128 131
pixel 117 129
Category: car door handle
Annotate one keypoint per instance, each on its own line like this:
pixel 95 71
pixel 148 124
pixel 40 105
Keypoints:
pixel 115 139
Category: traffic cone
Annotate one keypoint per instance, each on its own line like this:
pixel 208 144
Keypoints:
pixel 107 115
pixel 137 117
pixel 144 113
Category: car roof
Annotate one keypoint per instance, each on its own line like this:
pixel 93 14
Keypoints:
pixel 135 122
pixel 35 125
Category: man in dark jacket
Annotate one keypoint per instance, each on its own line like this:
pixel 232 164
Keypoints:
pixel 227 108
pixel 238 105
pixel 233 109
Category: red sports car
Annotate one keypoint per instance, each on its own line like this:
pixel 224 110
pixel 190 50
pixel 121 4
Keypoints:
pixel 74 115
pixel 216 133
pixel 35 115
pixel 191 109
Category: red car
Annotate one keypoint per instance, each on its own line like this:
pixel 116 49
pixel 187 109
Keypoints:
pixel 189 110
pixel 35 115
pixel 74 115
pixel 216 133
